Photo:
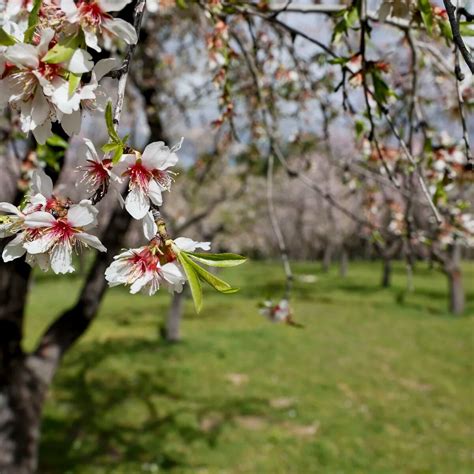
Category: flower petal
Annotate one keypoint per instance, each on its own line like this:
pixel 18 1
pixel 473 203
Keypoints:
pixel 39 219
pixel 82 214
pixel 61 258
pixel 14 249
pixel 113 5
pixel 154 192
pixel 80 62
pixel 141 282
pixel 189 245
pixel 91 241
pixel 10 209
pixel 123 30
pixel 137 203
pixel 149 227
pixel 23 55
pixel 40 245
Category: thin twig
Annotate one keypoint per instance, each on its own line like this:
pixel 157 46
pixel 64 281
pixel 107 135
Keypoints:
pixel 457 38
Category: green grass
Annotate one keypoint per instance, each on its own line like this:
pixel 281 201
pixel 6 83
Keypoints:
pixel 379 381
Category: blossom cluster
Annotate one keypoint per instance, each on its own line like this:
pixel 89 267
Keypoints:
pixel 46 70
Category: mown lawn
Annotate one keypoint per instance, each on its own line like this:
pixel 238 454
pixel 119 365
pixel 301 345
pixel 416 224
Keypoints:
pixel 378 381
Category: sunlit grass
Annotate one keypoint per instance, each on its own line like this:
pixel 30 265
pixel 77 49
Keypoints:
pixel 379 381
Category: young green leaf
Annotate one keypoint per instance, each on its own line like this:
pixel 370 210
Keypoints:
pixel 109 120
pixel 426 12
pixel 32 21
pixel 62 52
pixel 74 81
pixel 193 280
pixel 218 259
pixel 6 39
pixel 209 278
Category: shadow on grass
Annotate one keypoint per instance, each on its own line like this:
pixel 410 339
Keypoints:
pixel 88 429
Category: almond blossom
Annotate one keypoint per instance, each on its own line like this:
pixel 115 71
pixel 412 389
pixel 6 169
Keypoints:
pixel 93 17
pixel 59 235
pixel 35 86
pixel 276 313
pixel 96 172
pixel 145 269
pixel 149 176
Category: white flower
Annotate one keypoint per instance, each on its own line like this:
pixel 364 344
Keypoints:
pixel 149 176
pixel 36 87
pixel 94 19
pixel 276 312
pixel 190 245
pixel 12 222
pixel 141 269
pixel 97 172
pixel 58 236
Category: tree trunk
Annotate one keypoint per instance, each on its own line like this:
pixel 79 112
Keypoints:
pixel 21 399
pixel 343 263
pixel 327 258
pixel 387 273
pixel 456 291
pixel 173 321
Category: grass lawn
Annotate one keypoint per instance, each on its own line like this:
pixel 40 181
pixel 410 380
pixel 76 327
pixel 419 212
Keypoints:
pixel 378 381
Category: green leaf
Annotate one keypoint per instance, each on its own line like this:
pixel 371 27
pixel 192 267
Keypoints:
pixel 117 154
pixel 218 259
pixel 466 29
pixel 74 81
pixel 426 14
pixel 446 31
pixel 193 280
pixel 209 278
pixel 381 89
pixel 62 52
pixel 109 120
pixel 6 39
pixel 32 21
pixel 57 141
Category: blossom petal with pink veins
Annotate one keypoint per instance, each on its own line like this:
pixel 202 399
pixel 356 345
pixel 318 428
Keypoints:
pixel 113 5
pixel 139 283
pixel 137 203
pixel 43 132
pixel 154 192
pixel 40 245
pixel 80 62
pixel 23 55
pixel 41 183
pixel 158 156
pixel 122 29
pixel 39 219
pixel 91 241
pixel 61 258
pixel 189 245
pixel 71 123
pixel 10 209
pixel 14 249
pixel 149 226
pixel 82 214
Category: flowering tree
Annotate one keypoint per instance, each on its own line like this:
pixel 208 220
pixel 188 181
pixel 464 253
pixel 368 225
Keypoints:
pixel 268 71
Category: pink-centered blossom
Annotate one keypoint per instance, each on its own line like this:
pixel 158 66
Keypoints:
pixel 58 236
pixel 148 176
pixel 95 20
pixel 145 269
